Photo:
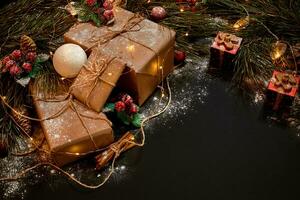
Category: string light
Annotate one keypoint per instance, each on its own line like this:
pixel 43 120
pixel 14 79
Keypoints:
pixel 62 78
pixel 130 48
pixel 186 34
pixel 181 9
pixel 109 74
pixel 241 23
pixel 278 50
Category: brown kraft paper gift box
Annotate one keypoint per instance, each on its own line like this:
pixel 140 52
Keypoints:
pixel 147 49
pixel 66 134
pixel 97 79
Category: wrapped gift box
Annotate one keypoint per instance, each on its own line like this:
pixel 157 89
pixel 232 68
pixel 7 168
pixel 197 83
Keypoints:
pixel 282 89
pixel 68 135
pixel 223 50
pixel 96 80
pixel 146 47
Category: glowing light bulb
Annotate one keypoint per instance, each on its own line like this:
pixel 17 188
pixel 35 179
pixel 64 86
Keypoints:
pixel 131 48
pixel 181 9
pixel 160 67
pixel 278 50
pixel 62 78
pixel 242 23
pixel 186 34
pixel 109 74
pixel 149 1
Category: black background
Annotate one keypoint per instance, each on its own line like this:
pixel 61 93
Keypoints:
pixel 221 150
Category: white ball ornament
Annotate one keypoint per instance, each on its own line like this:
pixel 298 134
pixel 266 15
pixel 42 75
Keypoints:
pixel 68 59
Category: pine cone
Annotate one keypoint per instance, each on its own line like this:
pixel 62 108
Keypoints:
pixel 23 122
pixel 27 44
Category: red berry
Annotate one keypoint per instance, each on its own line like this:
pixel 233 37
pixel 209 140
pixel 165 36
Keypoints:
pixel 9 64
pixel 120 106
pixel 31 56
pixel 27 67
pixel 5 60
pixel 133 109
pixel 90 2
pixel 179 56
pixel 16 54
pixel 127 99
pixel 108 15
pixel 15 70
pixel 107 5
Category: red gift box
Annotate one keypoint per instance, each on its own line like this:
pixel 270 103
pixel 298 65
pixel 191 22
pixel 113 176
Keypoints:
pixel 284 86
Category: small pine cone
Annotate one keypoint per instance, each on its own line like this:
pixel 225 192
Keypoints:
pixel 23 122
pixel 27 44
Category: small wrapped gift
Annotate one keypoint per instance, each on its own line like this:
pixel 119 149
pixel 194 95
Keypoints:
pixel 146 47
pixel 223 50
pixel 71 129
pixel 283 88
pixel 96 80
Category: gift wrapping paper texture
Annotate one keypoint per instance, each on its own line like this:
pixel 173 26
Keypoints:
pixel 97 79
pixel 147 49
pixel 66 133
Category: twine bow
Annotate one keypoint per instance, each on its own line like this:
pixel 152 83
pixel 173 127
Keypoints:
pixel 285 82
pixel 95 69
pixel 127 27
pixel 227 40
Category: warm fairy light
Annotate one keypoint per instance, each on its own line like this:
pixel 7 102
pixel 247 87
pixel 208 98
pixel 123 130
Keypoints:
pixel 181 9
pixel 162 95
pixel 3 97
pixel 131 48
pixel 132 138
pixel 109 74
pixel 149 1
pixel 77 154
pixel 31 138
pixel 241 23
pixel 278 50
pixel 62 78
pixel 160 67
pixel 186 34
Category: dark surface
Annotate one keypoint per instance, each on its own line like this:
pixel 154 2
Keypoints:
pixel 220 151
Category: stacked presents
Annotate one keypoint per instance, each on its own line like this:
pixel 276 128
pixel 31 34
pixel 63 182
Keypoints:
pixel 134 55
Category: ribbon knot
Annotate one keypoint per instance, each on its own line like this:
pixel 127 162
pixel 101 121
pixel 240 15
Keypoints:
pixel 285 82
pixel 227 40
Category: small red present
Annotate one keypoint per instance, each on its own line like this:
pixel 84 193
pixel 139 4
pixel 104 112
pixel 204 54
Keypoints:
pixel 285 87
pixel 225 46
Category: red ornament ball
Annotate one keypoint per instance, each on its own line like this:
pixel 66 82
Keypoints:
pixel 31 56
pixel 108 15
pixel 15 70
pixel 120 106
pixel 27 67
pixel 16 54
pixel 107 5
pixel 158 13
pixel 191 2
pixel 179 56
pixel 133 109
pixel 127 99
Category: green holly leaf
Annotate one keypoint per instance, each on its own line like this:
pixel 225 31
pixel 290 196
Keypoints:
pixel 137 120
pixel 95 19
pixel 109 107
pixel 124 117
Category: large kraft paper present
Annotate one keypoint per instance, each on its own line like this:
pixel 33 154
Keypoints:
pixel 71 129
pixel 146 47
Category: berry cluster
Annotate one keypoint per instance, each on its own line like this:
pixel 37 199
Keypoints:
pixel 102 9
pixel 125 103
pixel 18 63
